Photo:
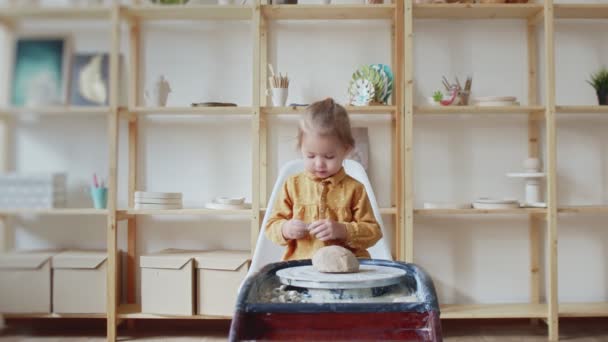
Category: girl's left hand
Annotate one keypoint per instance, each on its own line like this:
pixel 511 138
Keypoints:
pixel 325 230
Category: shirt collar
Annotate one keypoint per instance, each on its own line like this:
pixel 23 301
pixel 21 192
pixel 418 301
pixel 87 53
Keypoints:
pixel 333 180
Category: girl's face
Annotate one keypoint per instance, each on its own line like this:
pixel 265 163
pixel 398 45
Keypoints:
pixel 323 155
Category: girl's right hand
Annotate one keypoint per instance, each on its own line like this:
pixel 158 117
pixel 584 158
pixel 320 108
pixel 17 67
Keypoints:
pixel 294 229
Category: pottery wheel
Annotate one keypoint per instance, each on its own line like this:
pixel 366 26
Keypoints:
pixel 368 276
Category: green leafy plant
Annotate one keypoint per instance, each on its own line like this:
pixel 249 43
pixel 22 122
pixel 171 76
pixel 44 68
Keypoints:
pixel 599 81
pixel 437 96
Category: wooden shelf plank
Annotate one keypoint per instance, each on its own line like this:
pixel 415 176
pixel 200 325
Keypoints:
pixel 583 309
pixel 51 315
pixel 581 11
pixel 186 211
pixel 582 109
pixel 584 209
pixel 191 110
pixel 54 13
pixel 133 311
pixel 474 311
pixel 520 211
pixel 62 110
pixel 189 12
pixel 350 109
pixel 476 11
pixel 477 110
pixel 328 12
pixel 54 211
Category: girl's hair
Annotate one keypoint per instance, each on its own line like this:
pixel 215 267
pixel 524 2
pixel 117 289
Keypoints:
pixel 326 118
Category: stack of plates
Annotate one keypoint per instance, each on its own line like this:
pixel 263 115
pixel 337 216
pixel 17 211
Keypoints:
pixel 158 200
pixel 493 203
pixel 496 101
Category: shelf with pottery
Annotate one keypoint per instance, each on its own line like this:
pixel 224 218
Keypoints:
pixel 133 311
pixel 185 211
pixel 583 309
pixel 582 109
pixel 51 315
pixel 473 311
pixel 581 11
pixel 382 109
pixel 478 109
pixel 477 11
pixel 59 110
pixel 583 209
pixel 54 13
pixel 473 211
pixel 187 12
pixel 55 211
pixel 189 110
pixel 329 12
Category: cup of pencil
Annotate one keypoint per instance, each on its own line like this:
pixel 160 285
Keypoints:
pixel 279 86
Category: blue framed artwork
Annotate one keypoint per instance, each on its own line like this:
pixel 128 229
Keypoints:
pixel 90 79
pixel 39 74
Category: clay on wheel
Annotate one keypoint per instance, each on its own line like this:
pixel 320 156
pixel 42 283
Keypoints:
pixel 335 259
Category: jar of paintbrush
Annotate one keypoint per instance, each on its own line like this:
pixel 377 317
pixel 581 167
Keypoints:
pixel 279 86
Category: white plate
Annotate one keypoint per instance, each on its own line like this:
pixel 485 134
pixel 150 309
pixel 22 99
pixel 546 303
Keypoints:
pixel 143 206
pixel 170 201
pixel 487 200
pixel 230 200
pixel 146 194
pixel 437 205
pixel 526 174
pixel 368 276
pixel 478 205
pixel 219 206
pixel 495 99
pixel 496 103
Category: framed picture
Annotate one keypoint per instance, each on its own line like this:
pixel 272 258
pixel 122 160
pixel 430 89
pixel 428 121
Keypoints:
pixel 361 151
pixel 90 79
pixel 40 71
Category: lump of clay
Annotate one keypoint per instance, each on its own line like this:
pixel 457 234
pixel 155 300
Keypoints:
pixel 335 259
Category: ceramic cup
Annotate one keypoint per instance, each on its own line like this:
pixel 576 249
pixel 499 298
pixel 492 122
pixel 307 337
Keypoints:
pixel 100 197
pixel 279 97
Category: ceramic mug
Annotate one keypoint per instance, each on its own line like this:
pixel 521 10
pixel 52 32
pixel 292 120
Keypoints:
pixel 279 97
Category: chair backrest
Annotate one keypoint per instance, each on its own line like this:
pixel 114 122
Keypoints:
pixel 268 252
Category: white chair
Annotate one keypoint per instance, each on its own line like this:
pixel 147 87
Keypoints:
pixel 267 252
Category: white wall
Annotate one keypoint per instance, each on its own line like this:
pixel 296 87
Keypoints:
pixel 472 259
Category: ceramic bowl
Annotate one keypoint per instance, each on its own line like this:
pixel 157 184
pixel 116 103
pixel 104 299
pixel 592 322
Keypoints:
pixel 230 200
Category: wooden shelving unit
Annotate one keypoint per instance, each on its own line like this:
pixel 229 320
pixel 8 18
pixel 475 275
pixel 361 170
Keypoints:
pixel 532 15
pixel 401 14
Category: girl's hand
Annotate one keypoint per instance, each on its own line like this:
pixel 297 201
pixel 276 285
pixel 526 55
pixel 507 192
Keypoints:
pixel 294 229
pixel 325 230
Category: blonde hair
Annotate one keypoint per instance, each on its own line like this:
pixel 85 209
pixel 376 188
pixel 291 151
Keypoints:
pixel 326 118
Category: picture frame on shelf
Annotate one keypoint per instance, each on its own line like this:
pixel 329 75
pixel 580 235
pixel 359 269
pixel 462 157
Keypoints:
pixel 40 70
pixel 90 79
pixel 360 151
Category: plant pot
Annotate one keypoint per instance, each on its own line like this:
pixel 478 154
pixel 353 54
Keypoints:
pixel 602 97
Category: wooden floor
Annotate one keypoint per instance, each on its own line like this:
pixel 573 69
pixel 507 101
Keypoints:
pixel 575 330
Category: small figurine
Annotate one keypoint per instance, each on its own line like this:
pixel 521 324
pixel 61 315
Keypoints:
pixel 161 92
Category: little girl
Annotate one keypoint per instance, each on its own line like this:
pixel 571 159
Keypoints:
pixel 323 206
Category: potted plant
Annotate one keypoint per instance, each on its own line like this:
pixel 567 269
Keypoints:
pixel 599 81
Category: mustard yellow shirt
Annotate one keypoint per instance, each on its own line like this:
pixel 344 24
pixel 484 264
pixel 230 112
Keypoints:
pixel 340 198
